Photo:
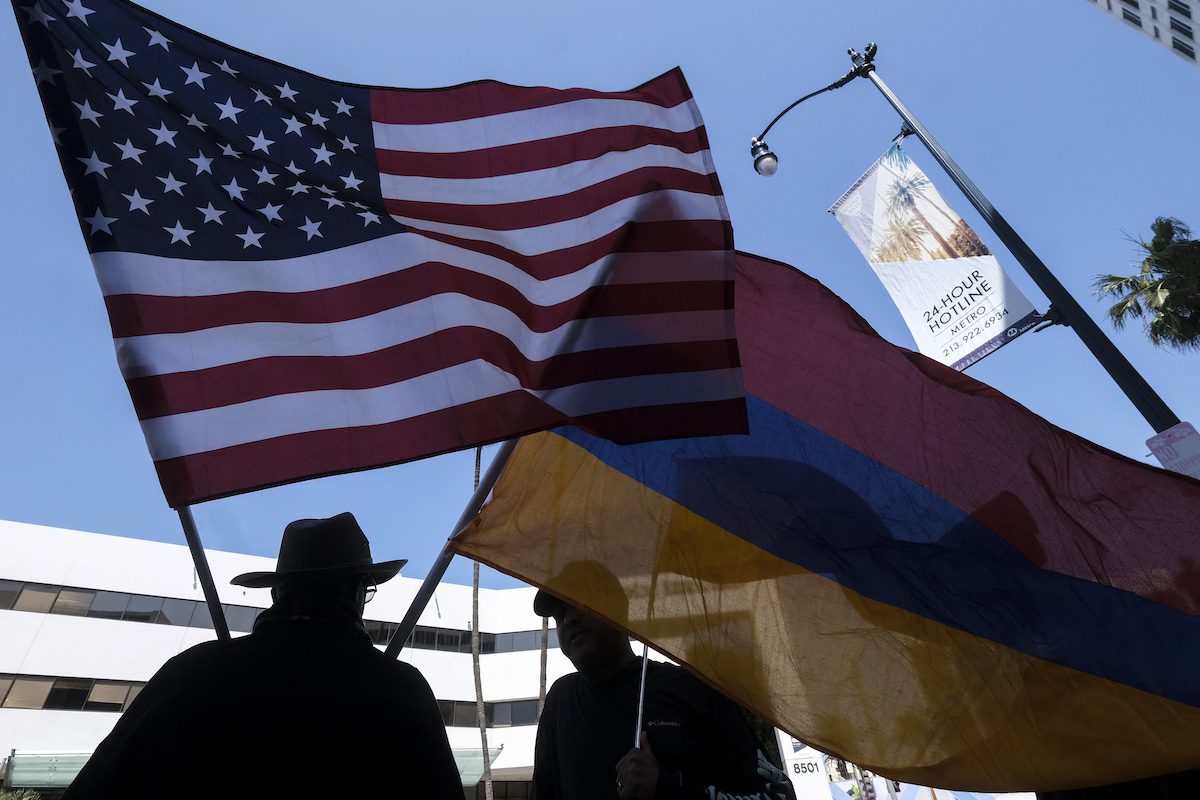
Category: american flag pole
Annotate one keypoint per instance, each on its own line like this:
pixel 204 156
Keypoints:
pixel 443 561
pixel 200 560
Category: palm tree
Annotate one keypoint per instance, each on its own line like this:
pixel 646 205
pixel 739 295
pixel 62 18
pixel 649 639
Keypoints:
pixel 897 158
pixel 480 711
pixel 902 241
pixel 1166 288
pixel 902 198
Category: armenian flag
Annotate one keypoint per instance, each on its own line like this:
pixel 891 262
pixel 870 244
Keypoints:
pixel 899 565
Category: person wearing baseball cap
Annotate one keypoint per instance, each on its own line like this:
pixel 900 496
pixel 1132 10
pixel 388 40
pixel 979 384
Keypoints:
pixel 304 705
pixel 694 743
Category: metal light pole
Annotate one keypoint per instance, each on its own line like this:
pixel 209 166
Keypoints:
pixel 1139 392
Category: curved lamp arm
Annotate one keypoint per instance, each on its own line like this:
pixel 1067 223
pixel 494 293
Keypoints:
pixel 766 162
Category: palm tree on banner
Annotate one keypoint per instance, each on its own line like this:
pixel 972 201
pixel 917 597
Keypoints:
pixel 902 197
pixel 898 160
pixel 1166 288
pixel 907 189
pixel 902 241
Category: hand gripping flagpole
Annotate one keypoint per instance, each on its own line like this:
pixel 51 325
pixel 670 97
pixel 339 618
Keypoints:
pixel 200 560
pixel 443 561
pixel 1139 392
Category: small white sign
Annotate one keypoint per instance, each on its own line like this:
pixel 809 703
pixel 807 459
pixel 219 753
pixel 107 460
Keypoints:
pixel 805 766
pixel 1178 449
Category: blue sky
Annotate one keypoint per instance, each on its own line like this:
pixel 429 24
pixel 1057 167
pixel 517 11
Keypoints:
pixel 1079 129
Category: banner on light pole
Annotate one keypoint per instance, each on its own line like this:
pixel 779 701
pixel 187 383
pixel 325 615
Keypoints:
pixel 952 292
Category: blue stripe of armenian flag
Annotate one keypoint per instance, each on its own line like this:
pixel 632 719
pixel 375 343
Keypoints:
pixel 898 565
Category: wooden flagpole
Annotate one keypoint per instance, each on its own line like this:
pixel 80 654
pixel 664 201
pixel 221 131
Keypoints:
pixel 200 560
pixel 443 561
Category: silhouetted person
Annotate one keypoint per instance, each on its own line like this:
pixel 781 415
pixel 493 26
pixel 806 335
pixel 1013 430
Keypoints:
pixel 695 743
pixel 304 706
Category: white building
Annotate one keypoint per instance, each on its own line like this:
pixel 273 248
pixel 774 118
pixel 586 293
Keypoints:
pixel 1174 24
pixel 86 619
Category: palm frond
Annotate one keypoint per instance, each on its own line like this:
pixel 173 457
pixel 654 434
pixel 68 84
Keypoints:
pixel 1129 306
pixel 1116 284
pixel 896 158
pixel 1157 297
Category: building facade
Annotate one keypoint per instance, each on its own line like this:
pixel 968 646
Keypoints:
pixel 86 619
pixel 1174 24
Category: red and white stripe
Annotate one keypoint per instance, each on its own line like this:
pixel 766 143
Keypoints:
pixel 567 258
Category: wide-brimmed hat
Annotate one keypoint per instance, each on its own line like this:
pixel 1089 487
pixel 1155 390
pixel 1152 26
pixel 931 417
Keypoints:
pixel 323 547
pixel 587 578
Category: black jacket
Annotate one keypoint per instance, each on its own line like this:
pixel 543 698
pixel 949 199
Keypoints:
pixel 299 708
pixel 699 737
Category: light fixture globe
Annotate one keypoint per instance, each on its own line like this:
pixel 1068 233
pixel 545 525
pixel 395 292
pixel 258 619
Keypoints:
pixel 766 163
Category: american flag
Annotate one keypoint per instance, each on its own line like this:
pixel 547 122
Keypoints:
pixel 307 277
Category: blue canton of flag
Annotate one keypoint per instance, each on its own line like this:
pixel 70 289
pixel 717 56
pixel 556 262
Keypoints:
pixel 177 145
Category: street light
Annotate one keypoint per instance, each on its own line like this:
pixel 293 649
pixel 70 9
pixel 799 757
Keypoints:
pixel 1140 393
pixel 765 162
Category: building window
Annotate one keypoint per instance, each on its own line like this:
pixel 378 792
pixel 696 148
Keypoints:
pixel 107 696
pixel 1131 17
pixel 461 713
pixel 425 638
pixel 68 694
pixel 108 605
pixel 28 692
pixel 527 640
pixel 385 631
pixel 1132 4
pixel 1180 8
pixel 201 618
pixel 241 618
pixel 453 641
pixel 464 714
pixel 524 712
pixel 501 715
pixel 36 597
pixel 144 609
pixel 1183 47
pixel 73 602
pixel 1181 27
pixel 176 612
pixel 9 590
